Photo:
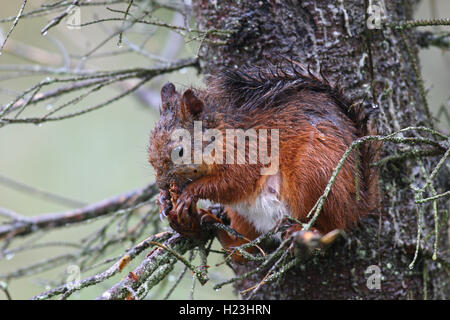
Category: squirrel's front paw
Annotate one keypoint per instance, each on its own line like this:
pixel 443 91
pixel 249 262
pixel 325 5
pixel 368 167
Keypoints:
pixel 184 217
pixel 186 204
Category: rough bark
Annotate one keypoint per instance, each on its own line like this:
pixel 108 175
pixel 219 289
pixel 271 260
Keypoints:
pixel 332 35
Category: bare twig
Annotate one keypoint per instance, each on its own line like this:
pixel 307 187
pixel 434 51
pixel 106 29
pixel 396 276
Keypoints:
pixel 16 21
pixel 4 288
pixel 14 184
pixel 119 43
pixel 56 220
pixel 108 77
pixel 111 271
pixel 61 16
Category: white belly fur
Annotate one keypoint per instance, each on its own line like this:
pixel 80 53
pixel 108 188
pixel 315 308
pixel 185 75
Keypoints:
pixel 265 211
pixel 267 208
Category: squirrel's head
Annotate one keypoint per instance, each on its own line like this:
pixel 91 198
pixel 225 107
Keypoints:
pixel 171 147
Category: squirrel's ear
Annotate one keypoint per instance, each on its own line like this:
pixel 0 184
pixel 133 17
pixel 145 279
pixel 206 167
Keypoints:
pixel 167 91
pixel 190 103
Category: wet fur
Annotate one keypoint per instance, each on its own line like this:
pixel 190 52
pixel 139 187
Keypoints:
pixel 317 123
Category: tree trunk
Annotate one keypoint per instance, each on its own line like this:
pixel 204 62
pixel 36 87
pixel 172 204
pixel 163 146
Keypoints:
pixel 332 36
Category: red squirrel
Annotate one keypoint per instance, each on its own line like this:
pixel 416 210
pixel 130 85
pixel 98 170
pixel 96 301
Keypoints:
pixel 316 123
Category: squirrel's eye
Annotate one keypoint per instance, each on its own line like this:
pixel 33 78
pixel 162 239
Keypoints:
pixel 179 150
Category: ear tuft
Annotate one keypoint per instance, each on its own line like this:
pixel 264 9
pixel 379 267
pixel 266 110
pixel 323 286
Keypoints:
pixel 190 103
pixel 167 91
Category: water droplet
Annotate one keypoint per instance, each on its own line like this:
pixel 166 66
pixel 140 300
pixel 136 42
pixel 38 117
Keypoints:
pixel 49 107
pixel 44 33
pixel 9 256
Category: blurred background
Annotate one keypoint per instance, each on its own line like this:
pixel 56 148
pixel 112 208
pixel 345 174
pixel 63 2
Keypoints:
pixel 103 153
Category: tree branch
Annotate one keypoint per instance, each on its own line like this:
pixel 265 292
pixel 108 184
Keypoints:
pixel 57 220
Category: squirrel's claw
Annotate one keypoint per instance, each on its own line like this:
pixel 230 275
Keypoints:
pixel 164 204
pixel 206 217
